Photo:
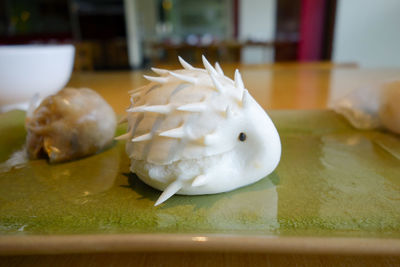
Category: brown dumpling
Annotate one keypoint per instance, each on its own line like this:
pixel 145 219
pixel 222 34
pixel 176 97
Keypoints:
pixel 71 124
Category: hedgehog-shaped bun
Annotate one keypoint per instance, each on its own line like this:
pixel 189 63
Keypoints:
pixel 195 131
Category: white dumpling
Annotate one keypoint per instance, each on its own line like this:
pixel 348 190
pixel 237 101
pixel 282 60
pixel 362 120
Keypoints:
pixel 389 111
pixel 196 131
pixel 372 107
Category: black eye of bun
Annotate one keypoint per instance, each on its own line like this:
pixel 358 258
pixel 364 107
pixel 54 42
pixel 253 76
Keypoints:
pixel 242 137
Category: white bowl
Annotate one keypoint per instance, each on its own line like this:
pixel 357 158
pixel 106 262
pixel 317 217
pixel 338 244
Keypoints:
pixel 26 70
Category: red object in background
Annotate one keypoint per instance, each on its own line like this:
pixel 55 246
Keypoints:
pixel 312 24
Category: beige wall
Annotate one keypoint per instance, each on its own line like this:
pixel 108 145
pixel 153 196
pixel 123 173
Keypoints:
pixel 257 21
pixel 368 32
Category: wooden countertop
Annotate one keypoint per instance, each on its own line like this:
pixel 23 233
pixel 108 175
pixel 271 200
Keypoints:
pixel 280 86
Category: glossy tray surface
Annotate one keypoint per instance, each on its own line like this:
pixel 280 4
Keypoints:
pixel 332 181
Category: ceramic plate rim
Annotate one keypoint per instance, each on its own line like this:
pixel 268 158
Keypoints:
pixel 66 244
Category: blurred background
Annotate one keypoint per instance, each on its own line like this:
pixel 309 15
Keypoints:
pixel 134 34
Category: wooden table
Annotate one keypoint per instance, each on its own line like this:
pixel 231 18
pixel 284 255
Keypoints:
pixel 280 86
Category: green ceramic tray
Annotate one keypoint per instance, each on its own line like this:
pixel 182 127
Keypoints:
pixel 332 181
